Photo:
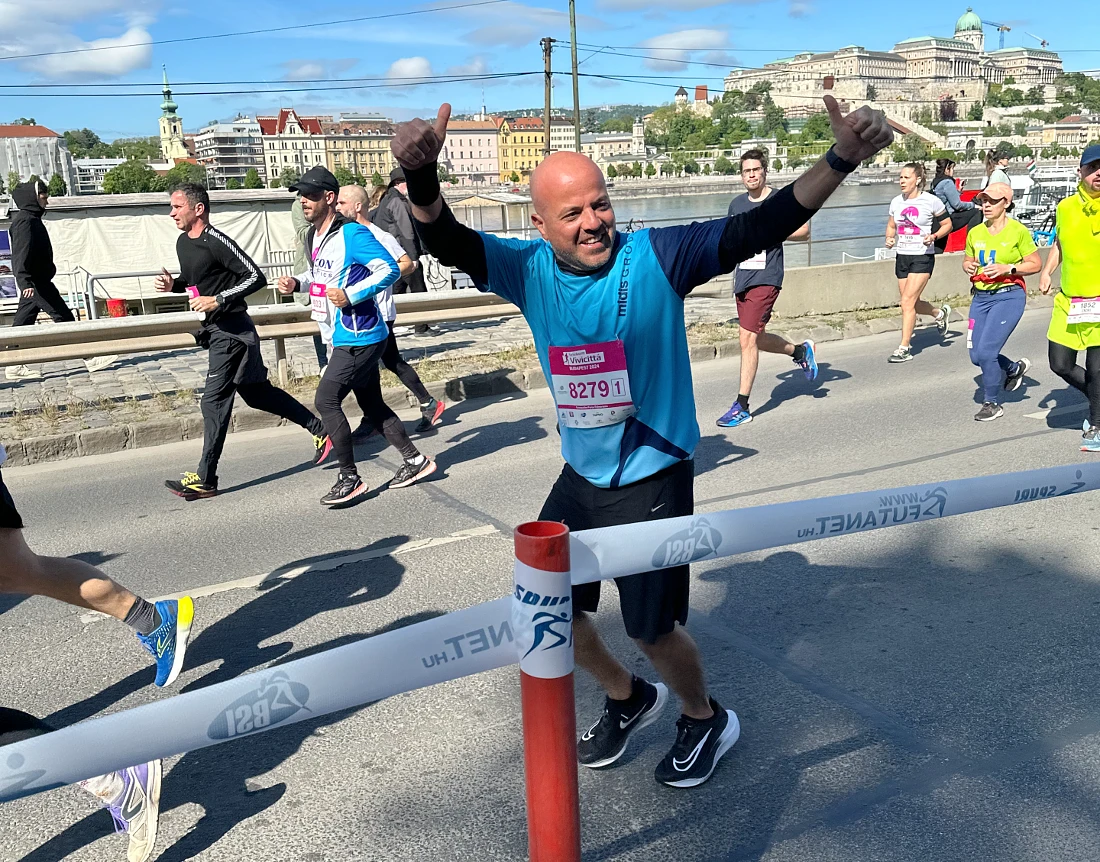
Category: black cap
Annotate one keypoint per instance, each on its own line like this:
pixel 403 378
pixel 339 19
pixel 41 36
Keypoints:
pixel 397 175
pixel 316 179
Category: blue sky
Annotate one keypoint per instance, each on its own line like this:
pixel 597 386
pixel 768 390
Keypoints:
pixel 500 39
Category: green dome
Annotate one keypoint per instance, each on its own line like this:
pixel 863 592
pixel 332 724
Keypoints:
pixel 968 22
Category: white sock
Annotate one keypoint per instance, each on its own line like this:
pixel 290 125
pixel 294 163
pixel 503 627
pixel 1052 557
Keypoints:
pixel 107 788
pixel 418 460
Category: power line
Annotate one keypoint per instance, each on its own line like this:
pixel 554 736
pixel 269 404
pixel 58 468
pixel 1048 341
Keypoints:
pixel 255 32
pixel 176 88
pixel 388 83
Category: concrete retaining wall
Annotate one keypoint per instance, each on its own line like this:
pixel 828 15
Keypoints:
pixel 854 286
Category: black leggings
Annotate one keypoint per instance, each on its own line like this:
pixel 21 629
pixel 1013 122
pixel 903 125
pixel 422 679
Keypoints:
pixel 392 359
pixel 350 368
pixel 1063 362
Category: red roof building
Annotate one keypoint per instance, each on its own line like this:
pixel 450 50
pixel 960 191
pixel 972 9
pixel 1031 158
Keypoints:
pixel 292 142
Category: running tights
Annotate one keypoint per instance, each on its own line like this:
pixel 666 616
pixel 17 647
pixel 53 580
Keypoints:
pixel 993 316
pixel 1063 362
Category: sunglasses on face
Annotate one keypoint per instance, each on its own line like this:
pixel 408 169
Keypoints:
pixel 983 201
pixel 312 196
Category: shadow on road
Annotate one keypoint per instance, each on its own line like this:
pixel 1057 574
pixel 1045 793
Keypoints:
pixel 793 384
pixel 1064 398
pixel 488 439
pixel 717 451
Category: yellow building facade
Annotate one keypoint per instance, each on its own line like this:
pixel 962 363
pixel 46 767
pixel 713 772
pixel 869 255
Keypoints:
pixel 521 144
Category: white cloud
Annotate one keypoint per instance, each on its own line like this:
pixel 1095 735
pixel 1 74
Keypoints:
pixel 478 65
pixel 410 67
pixel 32 28
pixel 799 9
pixel 312 70
pixel 671 51
pixel 515 25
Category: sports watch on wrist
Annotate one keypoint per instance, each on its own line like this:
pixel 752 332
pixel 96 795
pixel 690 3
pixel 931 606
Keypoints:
pixel 837 163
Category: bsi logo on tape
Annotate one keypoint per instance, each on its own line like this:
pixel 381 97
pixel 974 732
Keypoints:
pixel 15 784
pixel 275 700
pixel 698 541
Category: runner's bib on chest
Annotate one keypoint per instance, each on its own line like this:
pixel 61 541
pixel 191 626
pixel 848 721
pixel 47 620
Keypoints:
pixel 318 301
pixel 757 261
pixel 1083 309
pixel 591 384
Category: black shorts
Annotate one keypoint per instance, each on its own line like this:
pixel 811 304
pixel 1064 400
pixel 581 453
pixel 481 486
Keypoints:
pixel 651 602
pixel 9 515
pixel 914 264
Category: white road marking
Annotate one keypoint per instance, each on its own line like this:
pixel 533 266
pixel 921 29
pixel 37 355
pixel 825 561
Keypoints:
pixel 327 565
pixel 1057 411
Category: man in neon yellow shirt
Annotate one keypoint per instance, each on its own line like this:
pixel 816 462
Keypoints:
pixel 1075 322
pixel 999 253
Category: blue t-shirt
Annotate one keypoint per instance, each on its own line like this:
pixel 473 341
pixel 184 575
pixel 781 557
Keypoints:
pixel 636 298
pixel 759 270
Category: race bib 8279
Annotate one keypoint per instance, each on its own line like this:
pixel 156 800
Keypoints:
pixel 591 385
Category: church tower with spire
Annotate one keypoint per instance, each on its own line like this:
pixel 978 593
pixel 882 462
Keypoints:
pixel 172 146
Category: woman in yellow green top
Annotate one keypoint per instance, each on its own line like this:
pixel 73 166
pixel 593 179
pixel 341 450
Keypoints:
pixel 1075 323
pixel 999 253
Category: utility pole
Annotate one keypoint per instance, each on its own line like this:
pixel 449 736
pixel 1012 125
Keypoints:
pixel 576 88
pixel 547 48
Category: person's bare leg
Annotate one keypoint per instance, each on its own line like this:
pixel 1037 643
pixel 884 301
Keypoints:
pixel 750 360
pixel 677 660
pixel 26 573
pixel 593 655
pixel 769 343
pixel 911 303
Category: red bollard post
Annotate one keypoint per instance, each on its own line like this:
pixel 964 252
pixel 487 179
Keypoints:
pixel 542 617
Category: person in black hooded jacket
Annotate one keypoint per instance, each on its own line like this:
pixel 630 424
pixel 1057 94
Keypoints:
pixel 34 269
pixel 32 257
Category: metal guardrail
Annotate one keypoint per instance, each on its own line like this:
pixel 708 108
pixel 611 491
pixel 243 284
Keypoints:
pixel 176 330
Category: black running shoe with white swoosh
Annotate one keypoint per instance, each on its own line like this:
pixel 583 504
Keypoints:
pixel 605 741
pixel 698 748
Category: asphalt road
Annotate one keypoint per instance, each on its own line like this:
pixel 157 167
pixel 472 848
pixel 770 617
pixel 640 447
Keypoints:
pixel 925 692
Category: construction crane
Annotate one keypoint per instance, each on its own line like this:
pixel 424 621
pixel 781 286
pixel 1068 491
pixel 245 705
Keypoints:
pixel 1042 42
pixel 1001 28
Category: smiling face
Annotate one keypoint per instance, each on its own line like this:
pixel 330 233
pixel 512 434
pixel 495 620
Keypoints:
pixel 573 211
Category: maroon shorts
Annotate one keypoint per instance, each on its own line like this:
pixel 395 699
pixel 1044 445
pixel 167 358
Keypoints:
pixel 754 307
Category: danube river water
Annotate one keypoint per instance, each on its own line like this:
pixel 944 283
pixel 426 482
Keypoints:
pixel 852 211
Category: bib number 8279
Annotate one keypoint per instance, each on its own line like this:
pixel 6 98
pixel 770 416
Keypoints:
pixel 594 388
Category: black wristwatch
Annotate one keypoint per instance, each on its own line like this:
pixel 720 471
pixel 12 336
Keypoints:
pixel 838 164
pixel 1012 270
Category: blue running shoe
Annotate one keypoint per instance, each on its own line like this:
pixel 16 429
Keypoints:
pixel 168 642
pixel 808 363
pixel 1085 426
pixel 736 415
pixel 1091 441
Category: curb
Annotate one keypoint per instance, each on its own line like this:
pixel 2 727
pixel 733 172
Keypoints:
pixel 175 429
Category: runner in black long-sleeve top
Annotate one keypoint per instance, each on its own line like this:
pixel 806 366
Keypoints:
pixel 218 276
pixel 606 313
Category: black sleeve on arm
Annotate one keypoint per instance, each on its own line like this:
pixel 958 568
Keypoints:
pixel 229 254
pixel 20 240
pixel 455 245
pixel 761 227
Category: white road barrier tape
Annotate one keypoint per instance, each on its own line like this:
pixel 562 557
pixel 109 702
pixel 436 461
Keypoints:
pixel 455 645
pixel 481 637
pixel 612 552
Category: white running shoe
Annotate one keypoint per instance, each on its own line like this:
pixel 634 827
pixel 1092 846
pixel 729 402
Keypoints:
pixel 21 372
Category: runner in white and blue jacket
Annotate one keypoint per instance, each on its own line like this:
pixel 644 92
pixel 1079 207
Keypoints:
pixel 349 268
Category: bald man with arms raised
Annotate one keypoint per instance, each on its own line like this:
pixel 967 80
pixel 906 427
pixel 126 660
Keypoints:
pixel 606 311
pixel 353 204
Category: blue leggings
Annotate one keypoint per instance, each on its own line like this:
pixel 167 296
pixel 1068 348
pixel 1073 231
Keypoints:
pixel 992 319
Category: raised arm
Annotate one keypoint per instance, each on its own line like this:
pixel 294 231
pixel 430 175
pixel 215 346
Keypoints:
pixel 858 136
pixel 416 146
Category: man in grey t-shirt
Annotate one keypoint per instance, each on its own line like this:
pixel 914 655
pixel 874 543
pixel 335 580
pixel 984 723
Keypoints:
pixel 757 282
